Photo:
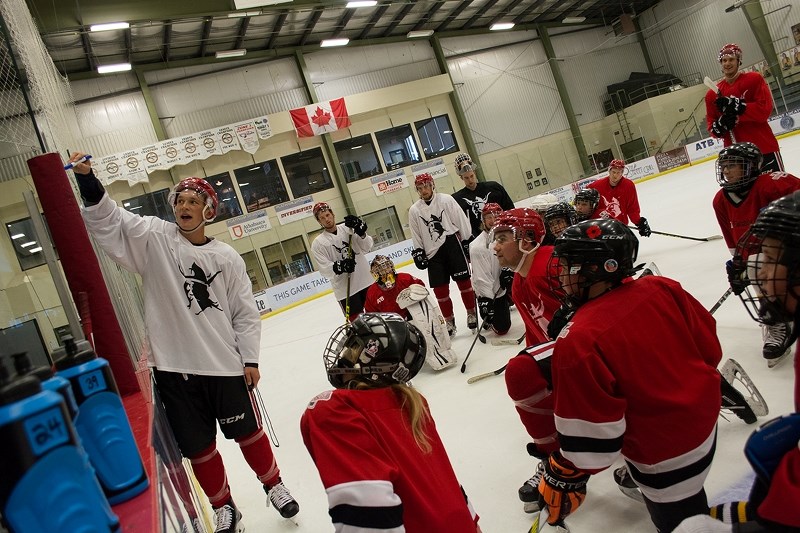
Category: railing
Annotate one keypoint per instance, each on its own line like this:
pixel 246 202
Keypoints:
pixel 679 130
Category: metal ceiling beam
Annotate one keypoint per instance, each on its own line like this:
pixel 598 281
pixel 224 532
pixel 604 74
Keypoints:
pixel 374 20
pixel 503 15
pixel 167 41
pixel 343 20
pixel 312 21
pixel 241 33
pixel 395 21
pixel 549 12
pixel 453 14
pixel 276 29
pixel 478 14
pixel 87 49
pixel 519 19
pixel 427 16
pixel 205 36
pixel 128 58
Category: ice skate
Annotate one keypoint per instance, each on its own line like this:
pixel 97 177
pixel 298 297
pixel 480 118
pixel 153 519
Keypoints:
pixel 451 326
pixel 627 485
pixel 282 500
pixel 746 405
pixel 195 525
pixel 529 491
pixel 777 342
pixel 472 320
pixel 228 519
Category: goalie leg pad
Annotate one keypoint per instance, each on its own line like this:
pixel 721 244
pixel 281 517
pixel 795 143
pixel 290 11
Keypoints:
pixel 428 318
pixel 732 372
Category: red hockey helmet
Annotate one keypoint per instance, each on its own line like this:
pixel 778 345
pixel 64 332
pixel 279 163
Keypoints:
pixel 617 163
pixel 423 179
pixel 201 187
pixel 491 208
pixel 320 207
pixel 730 49
pixel 525 223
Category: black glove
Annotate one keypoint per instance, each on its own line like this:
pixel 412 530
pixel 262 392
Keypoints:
pixel 560 318
pixel 506 279
pixel 730 105
pixel 723 125
pixel 465 247
pixel 345 266
pixel 737 274
pixel 486 308
pixel 420 259
pixel 643 227
pixel 358 226
pixel 562 488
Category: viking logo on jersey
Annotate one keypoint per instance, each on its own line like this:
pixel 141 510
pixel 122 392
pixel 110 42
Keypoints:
pixel 435 226
pixel 476 205
pixel 196 288
pixel 612 208
pixel 342 250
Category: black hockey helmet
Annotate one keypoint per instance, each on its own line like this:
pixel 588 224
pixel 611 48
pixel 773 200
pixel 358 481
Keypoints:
pixel 560 211
pixel 772 241
pixel 377 348
pixel 599 250
pixel 592 196
pixel 745 154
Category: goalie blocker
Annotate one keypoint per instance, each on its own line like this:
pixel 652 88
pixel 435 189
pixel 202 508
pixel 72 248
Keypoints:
pixel 427 316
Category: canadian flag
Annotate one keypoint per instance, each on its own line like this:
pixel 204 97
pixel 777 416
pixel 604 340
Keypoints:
pixel 324 117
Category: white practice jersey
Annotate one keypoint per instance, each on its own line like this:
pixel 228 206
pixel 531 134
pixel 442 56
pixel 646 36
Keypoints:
pixel 432 223
pixel 485 267
pixel 331 247
pixel 200 314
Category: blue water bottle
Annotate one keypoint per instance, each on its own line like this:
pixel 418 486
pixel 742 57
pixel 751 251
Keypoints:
pixel 46 485
pixel 50 381
pixel 101 422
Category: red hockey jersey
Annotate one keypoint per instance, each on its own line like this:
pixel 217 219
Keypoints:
pixel 534 297
pixel 752 125
pixel 635 372
pixel 385 301
pixel 376 476
pixel 736 218
pixel 620 202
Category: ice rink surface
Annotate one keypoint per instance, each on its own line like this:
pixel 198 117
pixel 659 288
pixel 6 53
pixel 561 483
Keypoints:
pixel 478 424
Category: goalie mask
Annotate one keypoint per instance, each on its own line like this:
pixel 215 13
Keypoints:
pixel 589 252
pixel 769 254
pixel 738 166
pixel 464 164
pixel 382 269
pixel 376 348
pixel 203 189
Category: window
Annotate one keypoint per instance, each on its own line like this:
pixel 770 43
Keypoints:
pixel 261 185
pixel 436 136
pixel 228 201
pixel 307 172
pixel 358 158
pixel 384 226
pixel 26 244
pixel 398 147
pixel 152 204
pixel 287 260
pixel 254 271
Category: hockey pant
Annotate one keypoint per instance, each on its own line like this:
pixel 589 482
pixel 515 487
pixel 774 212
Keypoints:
pixel 426 315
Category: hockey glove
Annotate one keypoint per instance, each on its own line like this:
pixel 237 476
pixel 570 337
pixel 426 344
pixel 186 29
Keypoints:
pixel 465 247
pixel 358 226
pixel 730 105
pixel 723 125
pixel 562 488
pixel 420 259
pixel 560 318
pixel 643 227
pixel 345 266
pixel 737 274
pixel 486 309
pixel 506 279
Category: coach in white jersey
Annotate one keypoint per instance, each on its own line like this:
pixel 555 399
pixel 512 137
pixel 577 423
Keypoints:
pixel 339 252
pixel 203 329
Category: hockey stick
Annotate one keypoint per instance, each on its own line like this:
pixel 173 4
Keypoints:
pixel 349 275
pixel 710 84
pixel 479 377
pixel 508 342
pixel 721 300
pixel 703 239
pixel 464 364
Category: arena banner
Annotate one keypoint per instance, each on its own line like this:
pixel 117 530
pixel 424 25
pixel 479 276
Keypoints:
pixel 785 122
pixel 670 159
pixel 248 224
pixel 389 182
pixel 434 167
pixel 703 148
pixel 641 169
pixel 295 210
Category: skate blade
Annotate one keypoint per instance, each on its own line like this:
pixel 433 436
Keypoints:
pixel 634 494
pixel 732 372
pixel 531 507
pixel 772 363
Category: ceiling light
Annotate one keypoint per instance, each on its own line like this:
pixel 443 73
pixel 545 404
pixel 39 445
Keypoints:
pixel 362 3
pixel 244 184
pixel 109 26
pixel 230 53
pixel 573 20
pixel 116 67
pixel 414 34
pixel 356 147
pixel 246 4
pixel 241 14
pixel 26 244
pixel 17 236
pixel 334 42
pixel 502 26
pixel 35 250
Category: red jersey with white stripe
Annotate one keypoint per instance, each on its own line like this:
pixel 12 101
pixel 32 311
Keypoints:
pixel 534 297
pixel 752 125
pixel 735 214
pixel 635 373
pixel 376 476
pixel 620 202
pixel 385 301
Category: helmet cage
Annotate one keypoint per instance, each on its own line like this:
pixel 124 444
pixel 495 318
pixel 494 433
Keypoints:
pixel 464 164
pixel 592 197
pixel 560 211
pixel 382 269
pixel 749 157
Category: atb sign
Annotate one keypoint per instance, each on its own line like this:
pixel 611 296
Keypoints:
pixel 248 224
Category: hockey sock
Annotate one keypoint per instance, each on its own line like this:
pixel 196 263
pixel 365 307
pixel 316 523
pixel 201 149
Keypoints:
pixel 467 294
pixel 210 473
pixel 442 293
pixel 258 454
pixel 733 512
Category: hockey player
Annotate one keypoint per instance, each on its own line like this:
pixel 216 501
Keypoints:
pixel 541 203
pixel 203 331
pixel 493 302
pixel 440 233
pixel 559 217
pixel 586 201
pixel 407 296
pixel 740 108
pixel 603 406
pixel 745 190
pixel 339 254
pixel 618 198
pixel 477 194
pixel 373 438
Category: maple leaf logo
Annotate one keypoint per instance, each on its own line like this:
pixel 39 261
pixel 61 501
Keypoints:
pixel 321 118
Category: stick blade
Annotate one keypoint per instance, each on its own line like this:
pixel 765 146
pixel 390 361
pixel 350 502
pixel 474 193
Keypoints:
pixel 710 84
pixel 714 238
